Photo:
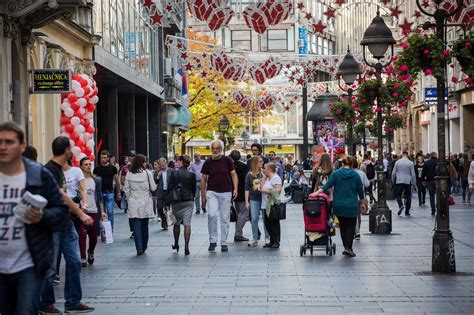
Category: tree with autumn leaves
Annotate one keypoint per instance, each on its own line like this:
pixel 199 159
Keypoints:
pixel 210 95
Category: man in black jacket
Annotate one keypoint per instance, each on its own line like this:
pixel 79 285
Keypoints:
pixel 26 246
pixel 428 177
pixel 239 202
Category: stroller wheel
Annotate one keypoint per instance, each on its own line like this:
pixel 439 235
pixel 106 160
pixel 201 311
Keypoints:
pixel 311 250
pixel 302 250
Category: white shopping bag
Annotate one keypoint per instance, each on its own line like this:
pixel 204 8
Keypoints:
pixel 106 232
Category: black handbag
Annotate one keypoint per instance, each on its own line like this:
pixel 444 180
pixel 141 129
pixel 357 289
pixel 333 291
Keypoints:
pixel 176 194
pixel 278 212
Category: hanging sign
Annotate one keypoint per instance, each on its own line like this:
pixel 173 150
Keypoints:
pixel 51 81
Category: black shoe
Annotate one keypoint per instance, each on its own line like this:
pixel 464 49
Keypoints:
pixel 224 248
pixel 198 212
pixel 240 239
pixel 433 212
pixel 80 308
pixel 357 237
pixel 268 245
pixel 175 247
pixel 212 247
pixel 276 245
pixel 90 258
pixel 186 252
pixel 420 204
pixel 400 210
pixel 204 210
pixel 139 252
pixel 132 236
pixel 407 214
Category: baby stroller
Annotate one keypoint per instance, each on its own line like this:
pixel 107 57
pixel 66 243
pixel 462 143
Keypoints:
pixel 318 225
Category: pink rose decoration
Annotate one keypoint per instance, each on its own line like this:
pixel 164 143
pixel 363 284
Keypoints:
pixel 426 51
pixel 468 80
pixel 394 94
pixel 467 44
pixel 446 52
pixel 454 79
pixel 404 45
pixel 396 86
pixel 428 72
pixel 404 67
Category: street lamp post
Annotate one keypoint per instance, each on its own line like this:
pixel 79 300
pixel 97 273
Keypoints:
pixel 349 70
pixel 245 136
pixel 378 38
pixel 223 127
pixel 443 259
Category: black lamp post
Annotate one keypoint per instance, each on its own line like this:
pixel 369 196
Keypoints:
pixel 349 70
pixel 223 128
pixel 443 258
pixel 378 38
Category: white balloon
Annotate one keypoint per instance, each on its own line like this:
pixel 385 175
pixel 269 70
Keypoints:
pixel 68 112
pixel 71 142
pixel 79 92
pixel 90 143
pixel 75 121
pixel 84 76
pixel 79 129
pixel 82 111
pixel 82 102
pixel 62 129
pixel 75 150
pixel 89 115
pixel 94 99
pixel 81 156
pixel 64 134
pixel 89 82
pixel 65 105
pixel 75 84
pixel 87 136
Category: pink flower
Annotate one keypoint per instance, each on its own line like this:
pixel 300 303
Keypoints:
pixel 428 72
pixel 378 109
pixel 426 51
pixel 364 100
pixel 394 58
pixel 404 45
pixel 454 79
pixel 446 52
pixel 407 97
pixel 396 86
pixel 467 44
pixel 389 71
pixel 468 80
pixel 404 103
pixel 394 94
pixel 404 67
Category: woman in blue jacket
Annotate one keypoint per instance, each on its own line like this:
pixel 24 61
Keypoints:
pixel 348 196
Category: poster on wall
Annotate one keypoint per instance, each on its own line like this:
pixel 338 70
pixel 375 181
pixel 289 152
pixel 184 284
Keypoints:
pixel 327 136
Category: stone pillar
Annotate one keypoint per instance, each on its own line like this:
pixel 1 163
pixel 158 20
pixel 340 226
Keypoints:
pixel 5 72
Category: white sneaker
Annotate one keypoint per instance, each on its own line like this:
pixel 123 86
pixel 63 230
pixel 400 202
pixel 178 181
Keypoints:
pixel 253 243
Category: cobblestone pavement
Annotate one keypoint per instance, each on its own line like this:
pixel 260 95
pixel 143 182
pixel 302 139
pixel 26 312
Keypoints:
pixel 391 273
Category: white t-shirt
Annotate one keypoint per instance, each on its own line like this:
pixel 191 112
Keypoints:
pixel 73 176
pixel 275 180
pixel 14 253
pixel 90 189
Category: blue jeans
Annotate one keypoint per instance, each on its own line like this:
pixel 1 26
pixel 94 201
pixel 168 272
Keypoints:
pixel 67 242
pixel 254 216
pixel 465 189
pixel 109 205
pixel 140 230
pixel 20 292
pixel 431 186
pixel 399 189
pixel 197 197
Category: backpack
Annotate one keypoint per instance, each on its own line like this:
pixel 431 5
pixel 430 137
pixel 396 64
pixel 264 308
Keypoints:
pixel 370 171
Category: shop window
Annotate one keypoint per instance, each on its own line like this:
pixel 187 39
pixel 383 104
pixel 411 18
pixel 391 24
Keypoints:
pixel 277 40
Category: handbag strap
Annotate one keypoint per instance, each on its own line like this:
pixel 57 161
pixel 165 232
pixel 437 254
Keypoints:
pixel 149 185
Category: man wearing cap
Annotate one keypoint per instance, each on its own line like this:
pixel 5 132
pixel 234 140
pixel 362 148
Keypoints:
pixel 340 154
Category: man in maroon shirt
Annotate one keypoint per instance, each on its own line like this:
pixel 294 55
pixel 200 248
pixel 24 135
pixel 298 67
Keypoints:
pixel 219 184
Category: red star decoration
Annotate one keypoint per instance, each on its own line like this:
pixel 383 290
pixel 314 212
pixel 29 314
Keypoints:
pixel 300 5
pixel 318 27
pixel 291 78
pixel 204 74
pixel 395 11
pixel 330 13
pixel 219 101
pixel 309 71
pixel 184 55
pixel 156 17
pixel 308 16
pixel 297 70
pixel 301 81
pixel 169 7
pixel 332 69
pixel 417 14
pixel 315 63
pixel 336 60
pixel 288 66
pixel 406 27
pixel 385 2
pixel 148 3
pixel 292 102
pixel 325 61
pixel 179 45
pixel 188 67
pixel 340 2
pixel 425 4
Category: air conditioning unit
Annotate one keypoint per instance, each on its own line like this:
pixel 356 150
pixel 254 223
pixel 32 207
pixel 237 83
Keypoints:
pixel 167 67
pixel 265 141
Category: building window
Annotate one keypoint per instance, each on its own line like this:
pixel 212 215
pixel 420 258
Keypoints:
pixel 241 40
pixel 277 40
pixel 320 45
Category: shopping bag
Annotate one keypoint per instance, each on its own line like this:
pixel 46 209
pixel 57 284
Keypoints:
pixel 170 218
pixel 106 232
pixel 233 213
pixel 451 201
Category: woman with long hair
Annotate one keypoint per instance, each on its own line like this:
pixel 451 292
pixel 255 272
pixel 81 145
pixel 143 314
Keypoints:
pixel 270 182
pixel 348 197
pixel 94 208
pixel 253 196
pixel 139 187
pixel 183 208
pixel 420 163
pixel 322 172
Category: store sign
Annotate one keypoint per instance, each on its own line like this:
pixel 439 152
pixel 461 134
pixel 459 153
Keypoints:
pixel 51 81
pixel 425 117
pixel 431 96
pixel 303 41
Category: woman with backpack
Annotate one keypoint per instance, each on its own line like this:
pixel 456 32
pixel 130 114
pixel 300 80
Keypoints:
pixel 139 187
pixel 181 196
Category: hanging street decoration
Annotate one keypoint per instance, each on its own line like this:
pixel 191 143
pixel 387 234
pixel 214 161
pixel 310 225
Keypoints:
pixel 259 16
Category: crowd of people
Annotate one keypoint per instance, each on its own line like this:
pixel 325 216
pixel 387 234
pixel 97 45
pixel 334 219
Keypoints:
pixel 76 199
